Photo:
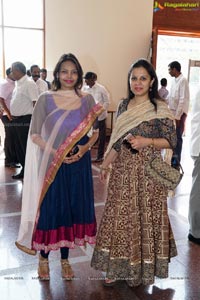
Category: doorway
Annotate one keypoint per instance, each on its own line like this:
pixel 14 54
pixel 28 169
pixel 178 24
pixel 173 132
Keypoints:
pixel 183 49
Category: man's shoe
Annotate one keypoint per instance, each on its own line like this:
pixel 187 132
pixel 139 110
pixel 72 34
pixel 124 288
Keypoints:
pixel 109 282
pixel 194 240
pixel 18 176
pixel 12 165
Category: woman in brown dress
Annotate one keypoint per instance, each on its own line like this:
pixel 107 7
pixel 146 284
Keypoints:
pixel 135 241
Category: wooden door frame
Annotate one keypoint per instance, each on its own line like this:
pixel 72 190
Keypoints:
pixel 162 31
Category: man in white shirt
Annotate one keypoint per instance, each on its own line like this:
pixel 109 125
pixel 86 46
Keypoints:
pixel 24 96
pixel 100 95
pixel 178 101
pixel 194 202
pixel 6 89
pixel 35 75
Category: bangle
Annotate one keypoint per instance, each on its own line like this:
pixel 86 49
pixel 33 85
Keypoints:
pixel 108 169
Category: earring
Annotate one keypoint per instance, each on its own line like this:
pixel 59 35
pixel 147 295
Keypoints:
pixel 150 89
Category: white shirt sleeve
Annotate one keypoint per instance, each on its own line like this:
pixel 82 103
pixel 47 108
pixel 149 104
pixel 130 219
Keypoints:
pixel 183 102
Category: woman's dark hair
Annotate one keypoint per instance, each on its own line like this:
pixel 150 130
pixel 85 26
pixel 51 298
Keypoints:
pixel 67 57
pixel 153 91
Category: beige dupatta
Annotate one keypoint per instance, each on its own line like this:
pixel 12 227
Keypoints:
pixel 136 115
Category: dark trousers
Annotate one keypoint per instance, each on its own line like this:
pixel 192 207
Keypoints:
pixel 21 127
pixel 180 125
pixel 64 251
pixel 102 138
pixel 9 142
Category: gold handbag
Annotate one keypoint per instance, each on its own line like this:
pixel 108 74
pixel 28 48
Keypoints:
pixel 163 173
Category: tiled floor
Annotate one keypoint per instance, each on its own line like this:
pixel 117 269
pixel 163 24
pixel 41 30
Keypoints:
pixel 18 271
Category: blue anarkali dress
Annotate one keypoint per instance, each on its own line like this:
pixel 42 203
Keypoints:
pixel 67 215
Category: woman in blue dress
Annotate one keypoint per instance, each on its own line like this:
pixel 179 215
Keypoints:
pixel 58 199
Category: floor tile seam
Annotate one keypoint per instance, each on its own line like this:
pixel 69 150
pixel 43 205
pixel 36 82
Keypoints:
pixel 12 214
pixel 10 183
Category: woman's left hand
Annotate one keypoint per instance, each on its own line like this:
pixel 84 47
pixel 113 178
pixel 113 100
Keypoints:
pixel 76 157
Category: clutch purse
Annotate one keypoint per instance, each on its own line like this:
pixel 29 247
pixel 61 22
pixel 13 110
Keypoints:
pixel 163 173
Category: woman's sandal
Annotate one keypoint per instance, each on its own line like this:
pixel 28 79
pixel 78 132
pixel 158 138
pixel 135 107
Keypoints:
pixel 109 282
pixel 67 272
pixel 43 268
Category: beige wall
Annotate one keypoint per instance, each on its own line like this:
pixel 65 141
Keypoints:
pixel 105 35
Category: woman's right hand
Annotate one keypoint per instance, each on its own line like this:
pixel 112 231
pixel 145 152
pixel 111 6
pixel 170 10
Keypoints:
pixel 106 166
pixel 103 175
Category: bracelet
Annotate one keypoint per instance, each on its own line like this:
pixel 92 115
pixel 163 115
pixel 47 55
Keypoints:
pixel 108 169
